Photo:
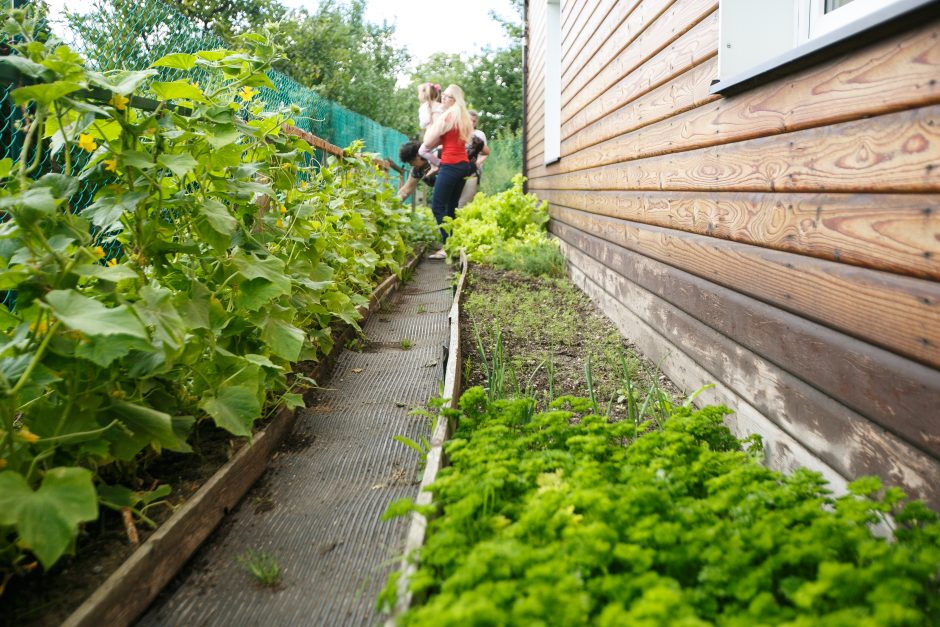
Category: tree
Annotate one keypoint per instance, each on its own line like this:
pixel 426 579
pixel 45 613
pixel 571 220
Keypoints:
pixel 230 17
pixel 491 80
pixel 347 59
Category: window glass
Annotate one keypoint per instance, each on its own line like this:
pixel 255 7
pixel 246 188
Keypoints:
pixel 832 5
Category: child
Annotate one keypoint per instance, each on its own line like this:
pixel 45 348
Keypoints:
pixel 429 95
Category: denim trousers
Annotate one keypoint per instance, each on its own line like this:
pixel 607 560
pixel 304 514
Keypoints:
pixel 447 188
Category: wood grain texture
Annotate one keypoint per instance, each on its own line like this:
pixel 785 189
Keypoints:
pixel 614 15
pixel 841 438
pixel 896 75
pixel 898 313
pixel 572 21
pixel 656 35
pixel 897 152
pixel 897 394
pixel 635 17
pixel 897 233
pixel 691 49
pixel 577 35
pixel 647 104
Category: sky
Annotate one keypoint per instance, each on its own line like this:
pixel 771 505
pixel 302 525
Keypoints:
pixel 423 28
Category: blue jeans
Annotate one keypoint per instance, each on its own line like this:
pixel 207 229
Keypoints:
pixel 447 188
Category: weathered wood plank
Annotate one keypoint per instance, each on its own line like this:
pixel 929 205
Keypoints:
pixel 571 18
pixel 898 394
pixel 575 38
pixel 686 90
pixel 887 153
pixel 893 76
pixel 898 313
pixel 897 233
pixel 656 35
pixel 841 438
pixel 691 49
pixel 613 16
pixel 635 18
pixel 781 451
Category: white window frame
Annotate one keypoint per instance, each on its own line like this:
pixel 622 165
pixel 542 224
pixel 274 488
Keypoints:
pixel 763 48
pixel 551 130
pixel 819 22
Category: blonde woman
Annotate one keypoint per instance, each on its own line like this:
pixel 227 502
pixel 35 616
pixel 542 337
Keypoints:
pixel 452 131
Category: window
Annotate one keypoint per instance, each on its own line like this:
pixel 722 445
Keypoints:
pixel 766 38
pixel 551 135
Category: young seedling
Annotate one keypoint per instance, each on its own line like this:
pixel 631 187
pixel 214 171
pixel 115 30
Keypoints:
pixel 406 344
pixel 422 308
pixel 262 566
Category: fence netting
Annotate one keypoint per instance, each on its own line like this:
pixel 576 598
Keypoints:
pixel 131 35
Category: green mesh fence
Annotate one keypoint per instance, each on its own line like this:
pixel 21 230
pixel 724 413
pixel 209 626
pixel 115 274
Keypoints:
pixel 132 34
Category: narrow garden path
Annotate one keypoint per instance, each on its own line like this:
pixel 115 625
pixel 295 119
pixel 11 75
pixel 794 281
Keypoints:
pixel 317 508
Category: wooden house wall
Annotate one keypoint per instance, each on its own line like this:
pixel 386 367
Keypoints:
pixel 783 243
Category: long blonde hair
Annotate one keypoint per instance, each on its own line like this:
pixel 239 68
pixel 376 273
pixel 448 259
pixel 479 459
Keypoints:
pixel 463 122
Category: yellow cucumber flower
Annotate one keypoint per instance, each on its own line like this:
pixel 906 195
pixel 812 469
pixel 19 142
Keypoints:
pixel 119 102
pixel 112 263
pixel 247 93
pixel 110 165
pixel 87 143
pixel 99 252
pixel 283 209
pixel 280 223
pixel 27 436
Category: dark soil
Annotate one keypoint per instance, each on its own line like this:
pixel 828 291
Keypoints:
pixel 47 599
pixel 553 338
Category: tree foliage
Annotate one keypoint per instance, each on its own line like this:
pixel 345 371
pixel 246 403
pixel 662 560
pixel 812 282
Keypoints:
pixel 356 63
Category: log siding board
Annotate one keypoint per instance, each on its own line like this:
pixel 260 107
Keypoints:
pixel 897 233
pixel 784 241
pixel 613 17
pixel 895 76
pixel 888 153
pixel 638 16
pixel 897 394
pixel 898 313
pixel 693 48
pixel 574 42
pixel 656 35
pixel 841 438
pixel 569 24
pixel 689 88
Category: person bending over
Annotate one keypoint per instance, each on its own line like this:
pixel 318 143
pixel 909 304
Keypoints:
pixel 421 170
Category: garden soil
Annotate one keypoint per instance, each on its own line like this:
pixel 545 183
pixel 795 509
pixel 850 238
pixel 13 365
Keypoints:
pixel 553 339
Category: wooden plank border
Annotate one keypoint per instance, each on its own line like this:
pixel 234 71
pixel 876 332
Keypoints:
pixel 128 592
pixel 435 460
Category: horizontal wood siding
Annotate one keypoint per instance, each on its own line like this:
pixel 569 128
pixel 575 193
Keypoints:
pixel 783 243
